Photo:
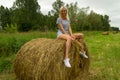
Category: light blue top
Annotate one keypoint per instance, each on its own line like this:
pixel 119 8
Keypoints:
pixel 65 24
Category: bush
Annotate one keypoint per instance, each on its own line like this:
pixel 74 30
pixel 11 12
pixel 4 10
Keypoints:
pixel 11 28
pixel 11 44
pixel 5 65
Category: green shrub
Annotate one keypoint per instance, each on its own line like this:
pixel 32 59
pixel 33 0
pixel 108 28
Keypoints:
pixel 11 42
pixel 5 65
pixel 11 28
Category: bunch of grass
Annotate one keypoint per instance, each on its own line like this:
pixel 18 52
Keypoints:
pixel 42 59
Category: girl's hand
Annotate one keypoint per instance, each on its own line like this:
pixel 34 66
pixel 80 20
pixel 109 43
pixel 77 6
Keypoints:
pixel 72 37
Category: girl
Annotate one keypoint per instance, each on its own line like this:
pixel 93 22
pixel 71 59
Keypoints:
pixel 65 32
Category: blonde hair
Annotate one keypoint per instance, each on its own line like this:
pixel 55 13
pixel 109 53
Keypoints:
pixel 66 10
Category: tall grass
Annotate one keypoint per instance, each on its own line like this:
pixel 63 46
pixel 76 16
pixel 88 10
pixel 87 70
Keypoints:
pixel 105 56
pixel 104 51
pixel 11 43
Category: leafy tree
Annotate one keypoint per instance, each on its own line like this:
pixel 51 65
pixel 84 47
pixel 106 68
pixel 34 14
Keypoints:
pixel 72 12
pixel 114 28
pixel 25 13
pixel 105 22
pixel 56 7
pixel 53 14
pixel 95 20
pixel 82 16
pixel 27 16
pixel 78 16
pixel 5 16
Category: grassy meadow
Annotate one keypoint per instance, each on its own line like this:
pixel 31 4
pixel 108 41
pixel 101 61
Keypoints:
pixel 104 53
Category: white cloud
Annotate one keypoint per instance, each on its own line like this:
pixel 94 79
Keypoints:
pixel 45 5
pixel 6 3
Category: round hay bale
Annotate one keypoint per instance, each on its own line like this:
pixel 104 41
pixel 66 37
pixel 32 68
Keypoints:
pixel 105 33
pixel 42 59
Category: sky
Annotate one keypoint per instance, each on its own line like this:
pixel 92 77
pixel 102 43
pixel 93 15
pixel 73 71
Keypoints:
pixel 104 7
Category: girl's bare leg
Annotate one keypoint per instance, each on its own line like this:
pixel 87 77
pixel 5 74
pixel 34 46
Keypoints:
pixel 68 44
pixel 80 38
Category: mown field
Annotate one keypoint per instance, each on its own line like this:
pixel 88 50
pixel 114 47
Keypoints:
pixel 104 51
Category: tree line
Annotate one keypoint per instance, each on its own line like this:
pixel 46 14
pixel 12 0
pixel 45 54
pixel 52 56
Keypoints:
pixel 26 15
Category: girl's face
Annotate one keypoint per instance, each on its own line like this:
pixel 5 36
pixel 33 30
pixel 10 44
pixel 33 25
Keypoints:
pixel 63 12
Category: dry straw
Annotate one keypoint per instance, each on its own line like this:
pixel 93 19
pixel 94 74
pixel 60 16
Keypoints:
pixel 42 59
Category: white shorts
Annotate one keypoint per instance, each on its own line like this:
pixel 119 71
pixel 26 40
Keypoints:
pixel 59 33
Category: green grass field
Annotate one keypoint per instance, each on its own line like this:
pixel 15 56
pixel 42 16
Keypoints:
pixel 104 52
pixel 105 55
